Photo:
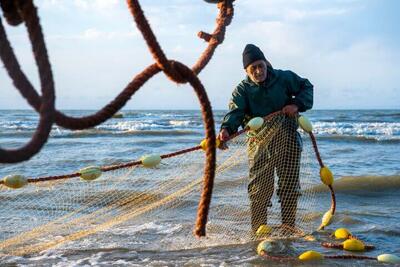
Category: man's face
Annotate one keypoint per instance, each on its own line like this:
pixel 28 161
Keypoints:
pixel 257 71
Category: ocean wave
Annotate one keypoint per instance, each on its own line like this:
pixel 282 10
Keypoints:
pixel 361 138
pixel 133 122
pixel 123 124
pixel 16 125
pixel 382 231
pixel 180 123
pixel 127 133
pixel 357 128
pixel 358 131
pixel 101 133
pixel 148 125
pixel 366 184
pixel 383 113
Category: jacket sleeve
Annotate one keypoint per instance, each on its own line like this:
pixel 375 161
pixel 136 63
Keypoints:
pixel 237 108
pixel 302 90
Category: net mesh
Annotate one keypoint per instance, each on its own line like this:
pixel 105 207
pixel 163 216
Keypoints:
pixel 265 177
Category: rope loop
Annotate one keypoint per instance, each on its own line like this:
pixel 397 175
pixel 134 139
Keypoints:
pixel 11 12
pixel 46 108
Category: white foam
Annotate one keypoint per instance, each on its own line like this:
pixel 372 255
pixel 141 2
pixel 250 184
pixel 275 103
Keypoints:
pixel 157 228
pixel 366 129
pixel 179 123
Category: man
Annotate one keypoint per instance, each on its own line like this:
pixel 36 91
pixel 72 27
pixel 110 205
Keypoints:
pixel 264 91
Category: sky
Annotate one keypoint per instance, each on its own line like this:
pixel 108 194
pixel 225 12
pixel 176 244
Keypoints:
pixel 348 49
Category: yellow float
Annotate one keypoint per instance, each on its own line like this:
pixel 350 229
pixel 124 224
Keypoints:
pixel 353 245
pixel 203 143
pixel 90 173
pixel 326 176
pixel 15 181
pixel 150 161
pixel 305 124
pixel 311 255
pixel 255 123
pixel 342 233
pixel 263 230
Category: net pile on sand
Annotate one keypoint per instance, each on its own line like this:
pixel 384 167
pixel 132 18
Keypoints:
pixel 44 214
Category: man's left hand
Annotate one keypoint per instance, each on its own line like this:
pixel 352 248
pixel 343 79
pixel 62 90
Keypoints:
pixel 290 110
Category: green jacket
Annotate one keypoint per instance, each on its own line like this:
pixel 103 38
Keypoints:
pixel 251 100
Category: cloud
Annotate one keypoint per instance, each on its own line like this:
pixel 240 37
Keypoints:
pixel 96 4
pixel 292 10
pixel 353 72
pixel 298 14
pixel 329 42
pixel 94 34
pixel 368 64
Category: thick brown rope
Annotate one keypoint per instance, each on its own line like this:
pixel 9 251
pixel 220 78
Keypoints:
pixel 333 199
pixel 26 89
pixel 209 170
pixel 223 20
pixel 181 74
pixel 217 37
pixel 321 164
pixel 176 71
pixel 10 12
pixel 155 49
pixel 46 109
pixel 314 142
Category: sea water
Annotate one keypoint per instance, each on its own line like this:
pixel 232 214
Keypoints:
pixel 360 146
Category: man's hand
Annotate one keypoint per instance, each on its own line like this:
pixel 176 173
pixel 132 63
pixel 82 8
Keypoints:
pixel 290 110
pixel 223 136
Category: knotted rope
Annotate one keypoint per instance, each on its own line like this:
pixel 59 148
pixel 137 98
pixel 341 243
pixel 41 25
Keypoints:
pixel 20 11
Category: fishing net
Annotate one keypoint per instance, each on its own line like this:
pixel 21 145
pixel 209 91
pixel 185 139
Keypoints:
pixel 266 176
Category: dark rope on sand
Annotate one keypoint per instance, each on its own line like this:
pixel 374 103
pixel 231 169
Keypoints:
pixel 340 246
pixel 267 256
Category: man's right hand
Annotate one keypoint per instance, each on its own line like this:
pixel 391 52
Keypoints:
pixel 223 136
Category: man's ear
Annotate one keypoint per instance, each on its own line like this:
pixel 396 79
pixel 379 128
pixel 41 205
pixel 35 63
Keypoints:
pixel 246 70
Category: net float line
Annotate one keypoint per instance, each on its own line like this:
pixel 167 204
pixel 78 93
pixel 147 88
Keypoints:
pixel 341 246
pixel 292 259
pixel 129 164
